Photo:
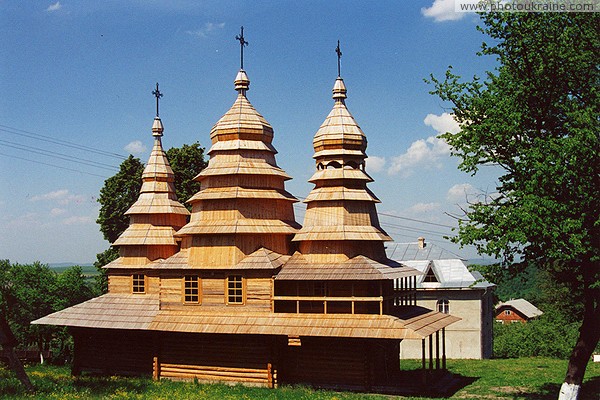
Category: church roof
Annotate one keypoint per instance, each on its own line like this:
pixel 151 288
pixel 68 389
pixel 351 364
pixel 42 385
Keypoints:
pixel 356 268
pixel 141 312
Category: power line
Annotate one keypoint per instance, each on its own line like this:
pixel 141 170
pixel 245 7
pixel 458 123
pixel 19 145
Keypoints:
pixel 60 142
pixel 52 165
pixel 60 156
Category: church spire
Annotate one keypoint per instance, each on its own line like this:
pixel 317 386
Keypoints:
pixel 242 83
pixel 157 126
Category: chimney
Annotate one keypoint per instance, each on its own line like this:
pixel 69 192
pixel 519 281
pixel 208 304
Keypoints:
pixel 422 243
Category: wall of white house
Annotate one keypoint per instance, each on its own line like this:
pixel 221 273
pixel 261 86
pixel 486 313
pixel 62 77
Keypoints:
pixel 469 338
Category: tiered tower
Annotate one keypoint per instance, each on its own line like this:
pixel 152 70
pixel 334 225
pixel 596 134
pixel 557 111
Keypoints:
pixel 157 214
pixel 242 204
pixel 341 220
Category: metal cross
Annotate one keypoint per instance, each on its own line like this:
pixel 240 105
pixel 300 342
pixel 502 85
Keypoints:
pixel 158 95
pixel 339 54
pixel 240 38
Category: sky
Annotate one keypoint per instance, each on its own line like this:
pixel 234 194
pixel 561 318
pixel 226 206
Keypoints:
pixel 76 79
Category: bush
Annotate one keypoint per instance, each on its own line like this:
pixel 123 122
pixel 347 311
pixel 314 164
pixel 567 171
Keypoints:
pixel 546 336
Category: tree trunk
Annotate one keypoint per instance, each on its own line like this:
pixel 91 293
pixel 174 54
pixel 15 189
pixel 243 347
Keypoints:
pixel 8 341
pixel 17 367
pixel 589 335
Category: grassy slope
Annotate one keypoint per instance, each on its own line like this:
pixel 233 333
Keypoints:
pixel 527 378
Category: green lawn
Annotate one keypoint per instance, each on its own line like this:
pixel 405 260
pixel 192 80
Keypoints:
pixel 526 378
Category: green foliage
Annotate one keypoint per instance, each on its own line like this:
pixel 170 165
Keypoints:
pixel 525 378
pixel 536 117
pixel 119 192
pixel 31 291
pixel 187 162
pixel 102 259
pixel 547 336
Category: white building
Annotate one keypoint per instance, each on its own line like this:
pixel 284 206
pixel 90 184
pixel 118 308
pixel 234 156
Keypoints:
pixel 448 286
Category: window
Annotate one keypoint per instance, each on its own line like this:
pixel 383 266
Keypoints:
pixel 138 283
pixel 430 276
pixel 443 306
pixel 507 312
pixel 191 289
pixel 235 290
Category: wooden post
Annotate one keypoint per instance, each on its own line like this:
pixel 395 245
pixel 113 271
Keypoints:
pixel 437 350
pixel 423 370
pixel 444 349
pixel 270 375
pixel 155 369
pixel 430 353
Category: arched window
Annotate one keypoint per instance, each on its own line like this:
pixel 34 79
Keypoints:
pixel 443 306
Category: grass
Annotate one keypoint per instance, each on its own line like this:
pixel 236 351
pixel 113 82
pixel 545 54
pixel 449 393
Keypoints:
pixel 525 378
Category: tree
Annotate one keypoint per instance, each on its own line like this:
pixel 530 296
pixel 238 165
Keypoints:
pixel 536 116
pixel 187 162
pixel 121 190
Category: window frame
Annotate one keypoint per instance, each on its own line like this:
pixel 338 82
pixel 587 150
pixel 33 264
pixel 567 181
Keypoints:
pixel 184 288
pixel 136 282
pixel 242 288
pixel 443 306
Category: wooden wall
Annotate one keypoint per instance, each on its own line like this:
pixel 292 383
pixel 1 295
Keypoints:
pixel 257 289
pixel 120 281
pixel 112 351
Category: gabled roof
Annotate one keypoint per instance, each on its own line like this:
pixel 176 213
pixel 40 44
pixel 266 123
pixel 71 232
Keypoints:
pixel 262 259
pixel 450 274
pixel 413 251
pixel 356 268
pixel 522 306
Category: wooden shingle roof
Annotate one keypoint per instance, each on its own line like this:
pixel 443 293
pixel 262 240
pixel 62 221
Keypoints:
pixel 356 268
pixel 110 311
pixel 113 311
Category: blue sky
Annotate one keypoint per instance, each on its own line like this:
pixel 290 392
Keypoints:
pixel 81 73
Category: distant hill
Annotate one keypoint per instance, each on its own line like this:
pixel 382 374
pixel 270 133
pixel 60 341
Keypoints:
pixel 87 269
pixel 69 264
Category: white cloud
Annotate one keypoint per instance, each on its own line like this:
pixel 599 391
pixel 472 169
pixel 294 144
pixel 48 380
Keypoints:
pixel 375 164
pixel 421 208
pixel 57 211
pixel 442 10
pixel 442 123
pixel 460 192
pixel 61 196
pixel 206 29
pixel 55 195
pixel 54 7
pixel 424 153
pixel 135 147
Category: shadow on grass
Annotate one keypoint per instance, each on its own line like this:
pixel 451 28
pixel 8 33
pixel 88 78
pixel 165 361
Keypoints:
pixel 590 390
pixel 97 385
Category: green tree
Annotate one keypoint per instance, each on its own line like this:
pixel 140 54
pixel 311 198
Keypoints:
pixel 119 192
pixel 536 116
pixel 186 161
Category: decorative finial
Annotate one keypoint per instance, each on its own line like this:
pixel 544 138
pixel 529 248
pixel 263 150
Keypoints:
pixel 240 38
pixel 158 95
pixel 339 55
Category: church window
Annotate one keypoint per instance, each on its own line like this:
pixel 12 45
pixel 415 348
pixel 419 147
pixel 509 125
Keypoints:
pixel 235 289
pixel 191 289
pixel 138 283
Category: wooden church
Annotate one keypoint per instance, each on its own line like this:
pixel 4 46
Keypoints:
pixel 238 291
